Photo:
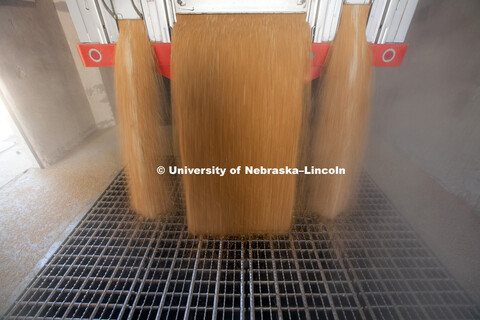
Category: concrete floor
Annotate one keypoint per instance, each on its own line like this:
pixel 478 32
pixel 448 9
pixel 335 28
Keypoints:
pixel 13 160
pixel 40 208
pixel 15 157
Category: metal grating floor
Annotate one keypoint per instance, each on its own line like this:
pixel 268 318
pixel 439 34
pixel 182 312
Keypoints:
pixel 117 266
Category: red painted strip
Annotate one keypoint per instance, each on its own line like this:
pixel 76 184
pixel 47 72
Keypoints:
pixel 97 55
pixel 317 71
pixel 164 71
pixel 163 51
pixel 388 55
pixel 319 53
pixel 103 55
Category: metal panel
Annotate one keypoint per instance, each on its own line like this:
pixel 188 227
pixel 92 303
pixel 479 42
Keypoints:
pixel 87 21
pixel 389 14
pixel 397 18
pixel 237 6
pixel 312 14
pixel 110 23
pixel 156 20
pixel 172 15
pixel 337 12
pixel 358 1
pixel 321 21
pixel 369 265
pixel 375 19
pixel 125 9
pixel 78 20
pixel 406 20
pixel 312 8
pixel 332 19
pixel 388 21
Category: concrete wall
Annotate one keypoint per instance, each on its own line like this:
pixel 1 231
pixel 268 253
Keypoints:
pixel 429 109
pixel 97 82
pixel 39 81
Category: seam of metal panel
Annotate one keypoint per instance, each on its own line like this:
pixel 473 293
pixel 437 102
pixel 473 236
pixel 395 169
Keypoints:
pixel 362 291
pixel 116 270
pixel 217 281
pixel 349 281
pixel 299 275
pixel 167 284
pixel 324 279
pixel 192 281
pixel 250 279
pixel 275 279
pixel 135 302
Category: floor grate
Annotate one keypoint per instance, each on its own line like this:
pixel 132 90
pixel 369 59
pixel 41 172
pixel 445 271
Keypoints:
pixel 116 266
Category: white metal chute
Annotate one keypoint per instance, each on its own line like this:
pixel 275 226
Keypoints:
pixel 156 20
pixel 87 20
pixel 320 20
pixel 405 21
pixel 109 21
pixel 388 21
pixel 239 6
pixel 312 14
pixel 332 20
pixel 397 18
pixel 375 19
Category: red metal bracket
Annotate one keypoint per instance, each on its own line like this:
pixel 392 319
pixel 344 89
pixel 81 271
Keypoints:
pixel 103 55
pixel 163 52
pixel 97 55
pixel 388 55
pixel 319 55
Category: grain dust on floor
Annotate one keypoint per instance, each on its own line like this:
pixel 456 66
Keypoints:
pixel 38 209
